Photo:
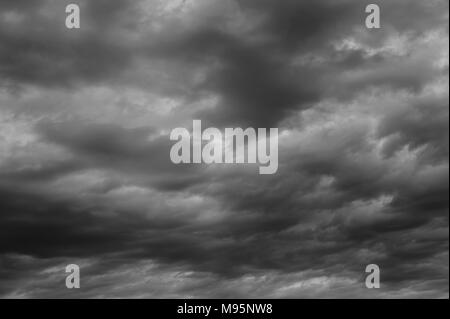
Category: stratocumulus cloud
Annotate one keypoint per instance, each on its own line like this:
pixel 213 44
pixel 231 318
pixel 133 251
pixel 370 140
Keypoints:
pixel 363 135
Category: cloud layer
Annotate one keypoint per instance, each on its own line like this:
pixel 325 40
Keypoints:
pixel 85 173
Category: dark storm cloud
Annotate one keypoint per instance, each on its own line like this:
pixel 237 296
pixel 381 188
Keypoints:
pixel 33 224
pixel 255 86
pixel 260 210
pixel 48 171
pixel 363 174
pixel 45 226
pixel 137 151
pixel 423 124
pixel 37 48
pixel 257 81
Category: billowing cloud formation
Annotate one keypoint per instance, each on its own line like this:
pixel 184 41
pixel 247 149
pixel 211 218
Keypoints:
pixel 85 173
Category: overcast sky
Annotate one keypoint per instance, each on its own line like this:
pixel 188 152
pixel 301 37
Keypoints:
pixel 86 177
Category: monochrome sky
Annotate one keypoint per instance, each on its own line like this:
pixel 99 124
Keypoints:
pixel 86 177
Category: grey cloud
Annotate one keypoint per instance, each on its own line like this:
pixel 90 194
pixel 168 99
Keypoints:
pixel 363 167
